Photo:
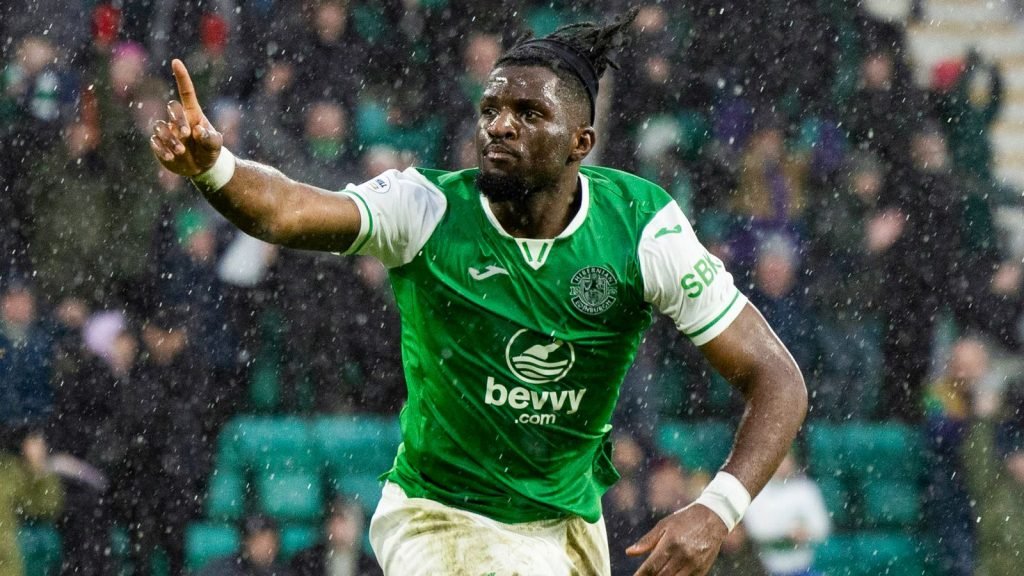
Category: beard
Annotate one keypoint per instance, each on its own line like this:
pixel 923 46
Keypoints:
pixel 503 187
pixel 508 187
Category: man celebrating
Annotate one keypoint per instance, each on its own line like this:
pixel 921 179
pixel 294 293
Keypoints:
pixel 524 287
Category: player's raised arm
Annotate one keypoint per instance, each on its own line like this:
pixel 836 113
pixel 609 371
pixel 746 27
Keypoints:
pixel 258 199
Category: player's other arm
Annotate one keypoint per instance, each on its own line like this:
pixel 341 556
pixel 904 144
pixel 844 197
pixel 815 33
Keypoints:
pixel 750 356
pixel 258 199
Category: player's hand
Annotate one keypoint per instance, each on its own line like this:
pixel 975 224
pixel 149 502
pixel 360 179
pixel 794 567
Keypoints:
pixel 186 143
pixel 683 544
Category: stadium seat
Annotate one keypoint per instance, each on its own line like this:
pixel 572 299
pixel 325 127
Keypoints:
pixel 837 500
pixel 297 537
pixel 205 541
pixel 890 503
pixel 837 556
pixel 40 549
pixel 290 495
pixel 269 444
pixel 893 554
pixel 362 488
pixel 357 444
pixel 698 445
pixel 827 453
pixel 225 495
pixel 889 451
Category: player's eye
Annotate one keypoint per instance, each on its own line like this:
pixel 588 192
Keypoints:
pixel 489 112
pixel 532 115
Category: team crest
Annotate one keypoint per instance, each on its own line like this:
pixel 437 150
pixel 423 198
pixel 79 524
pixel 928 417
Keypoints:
pixel 593 290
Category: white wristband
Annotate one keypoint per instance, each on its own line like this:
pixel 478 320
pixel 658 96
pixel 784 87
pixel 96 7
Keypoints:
pixel 219 174
pixel 727 498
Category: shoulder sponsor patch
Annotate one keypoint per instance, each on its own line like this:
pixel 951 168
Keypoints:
pixel 380 184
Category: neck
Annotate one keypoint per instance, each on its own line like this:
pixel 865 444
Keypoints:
pixel 543 214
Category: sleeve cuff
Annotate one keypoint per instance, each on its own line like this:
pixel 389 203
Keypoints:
pixel 365 222
pixel 718 323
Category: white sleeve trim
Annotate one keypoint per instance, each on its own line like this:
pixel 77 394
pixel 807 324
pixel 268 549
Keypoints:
pixel 398 213
pixel 683 280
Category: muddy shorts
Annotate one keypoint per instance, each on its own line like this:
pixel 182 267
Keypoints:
pixel 420 537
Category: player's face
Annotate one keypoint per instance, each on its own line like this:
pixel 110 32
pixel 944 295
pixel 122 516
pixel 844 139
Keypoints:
pixel 524 130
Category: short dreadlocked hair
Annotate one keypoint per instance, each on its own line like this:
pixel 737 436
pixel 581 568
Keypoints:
pixel 591 41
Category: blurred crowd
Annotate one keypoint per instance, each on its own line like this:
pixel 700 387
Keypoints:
pixel 854 207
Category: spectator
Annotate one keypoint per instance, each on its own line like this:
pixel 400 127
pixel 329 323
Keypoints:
pixel 967 112
pixel 771 195
pixel 331 37
pixel 951 404
pixel 261 543
pixel 930 259
pixel 625 515
pixel 341 550
pixel 330 153
pixel 787 520
pixel 86 443
pixel 210 59
pixel 271 115
pixel 881 113
pixel 75 218
pixel 845 279
pixel 997 482
pixel 26 359
pixel 163 410
pixel 777 295
pixel 27 489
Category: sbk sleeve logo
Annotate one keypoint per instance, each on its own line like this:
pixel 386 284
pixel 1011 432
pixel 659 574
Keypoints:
pixel 704 273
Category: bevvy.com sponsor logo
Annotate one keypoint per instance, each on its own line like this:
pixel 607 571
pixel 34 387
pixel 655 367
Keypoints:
pixel 534 359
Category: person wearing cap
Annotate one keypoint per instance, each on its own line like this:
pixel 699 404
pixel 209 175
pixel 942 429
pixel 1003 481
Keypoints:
pixel 258 556
pixel 524 287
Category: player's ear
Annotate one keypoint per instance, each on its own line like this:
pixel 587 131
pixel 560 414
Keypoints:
pixel 583 142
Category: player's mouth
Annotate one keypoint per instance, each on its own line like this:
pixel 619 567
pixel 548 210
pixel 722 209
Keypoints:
pixel 498 152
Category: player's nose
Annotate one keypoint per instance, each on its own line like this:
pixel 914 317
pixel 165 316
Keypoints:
pixel 501 126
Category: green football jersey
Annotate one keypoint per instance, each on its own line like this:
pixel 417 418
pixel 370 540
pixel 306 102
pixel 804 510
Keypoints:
pixel 515 349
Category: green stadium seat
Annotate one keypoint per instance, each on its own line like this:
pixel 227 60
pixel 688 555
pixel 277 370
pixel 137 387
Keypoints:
pixel 290 495
pixel 357 444
pixel 889 451
pixel 892 554
pixel 698 445
pixel 362 488
pixel 827 453
pixel 225 495
pixel 837 556
pixel 40 549
pixel 890 504
pixel 206 541
pixel 269 444
pixel 298 537
pixel 870 554
pixel 837 499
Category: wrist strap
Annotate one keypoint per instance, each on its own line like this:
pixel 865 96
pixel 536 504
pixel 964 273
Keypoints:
pixel 727 498
pixel 219 174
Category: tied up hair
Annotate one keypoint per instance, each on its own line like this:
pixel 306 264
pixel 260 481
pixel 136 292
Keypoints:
pixel 591 42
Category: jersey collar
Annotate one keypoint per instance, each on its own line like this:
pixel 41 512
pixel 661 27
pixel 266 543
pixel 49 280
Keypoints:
pixel 574 225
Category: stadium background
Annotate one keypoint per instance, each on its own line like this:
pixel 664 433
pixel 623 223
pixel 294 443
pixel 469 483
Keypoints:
pixel 806 140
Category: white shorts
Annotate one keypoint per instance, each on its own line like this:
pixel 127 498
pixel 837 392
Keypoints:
pixel 420 537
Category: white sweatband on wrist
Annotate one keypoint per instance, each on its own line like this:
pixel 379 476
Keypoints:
pixel 219 174
pixel 727 498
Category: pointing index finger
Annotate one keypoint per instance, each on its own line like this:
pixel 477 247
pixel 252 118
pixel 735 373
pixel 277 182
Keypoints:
pixel 193 113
